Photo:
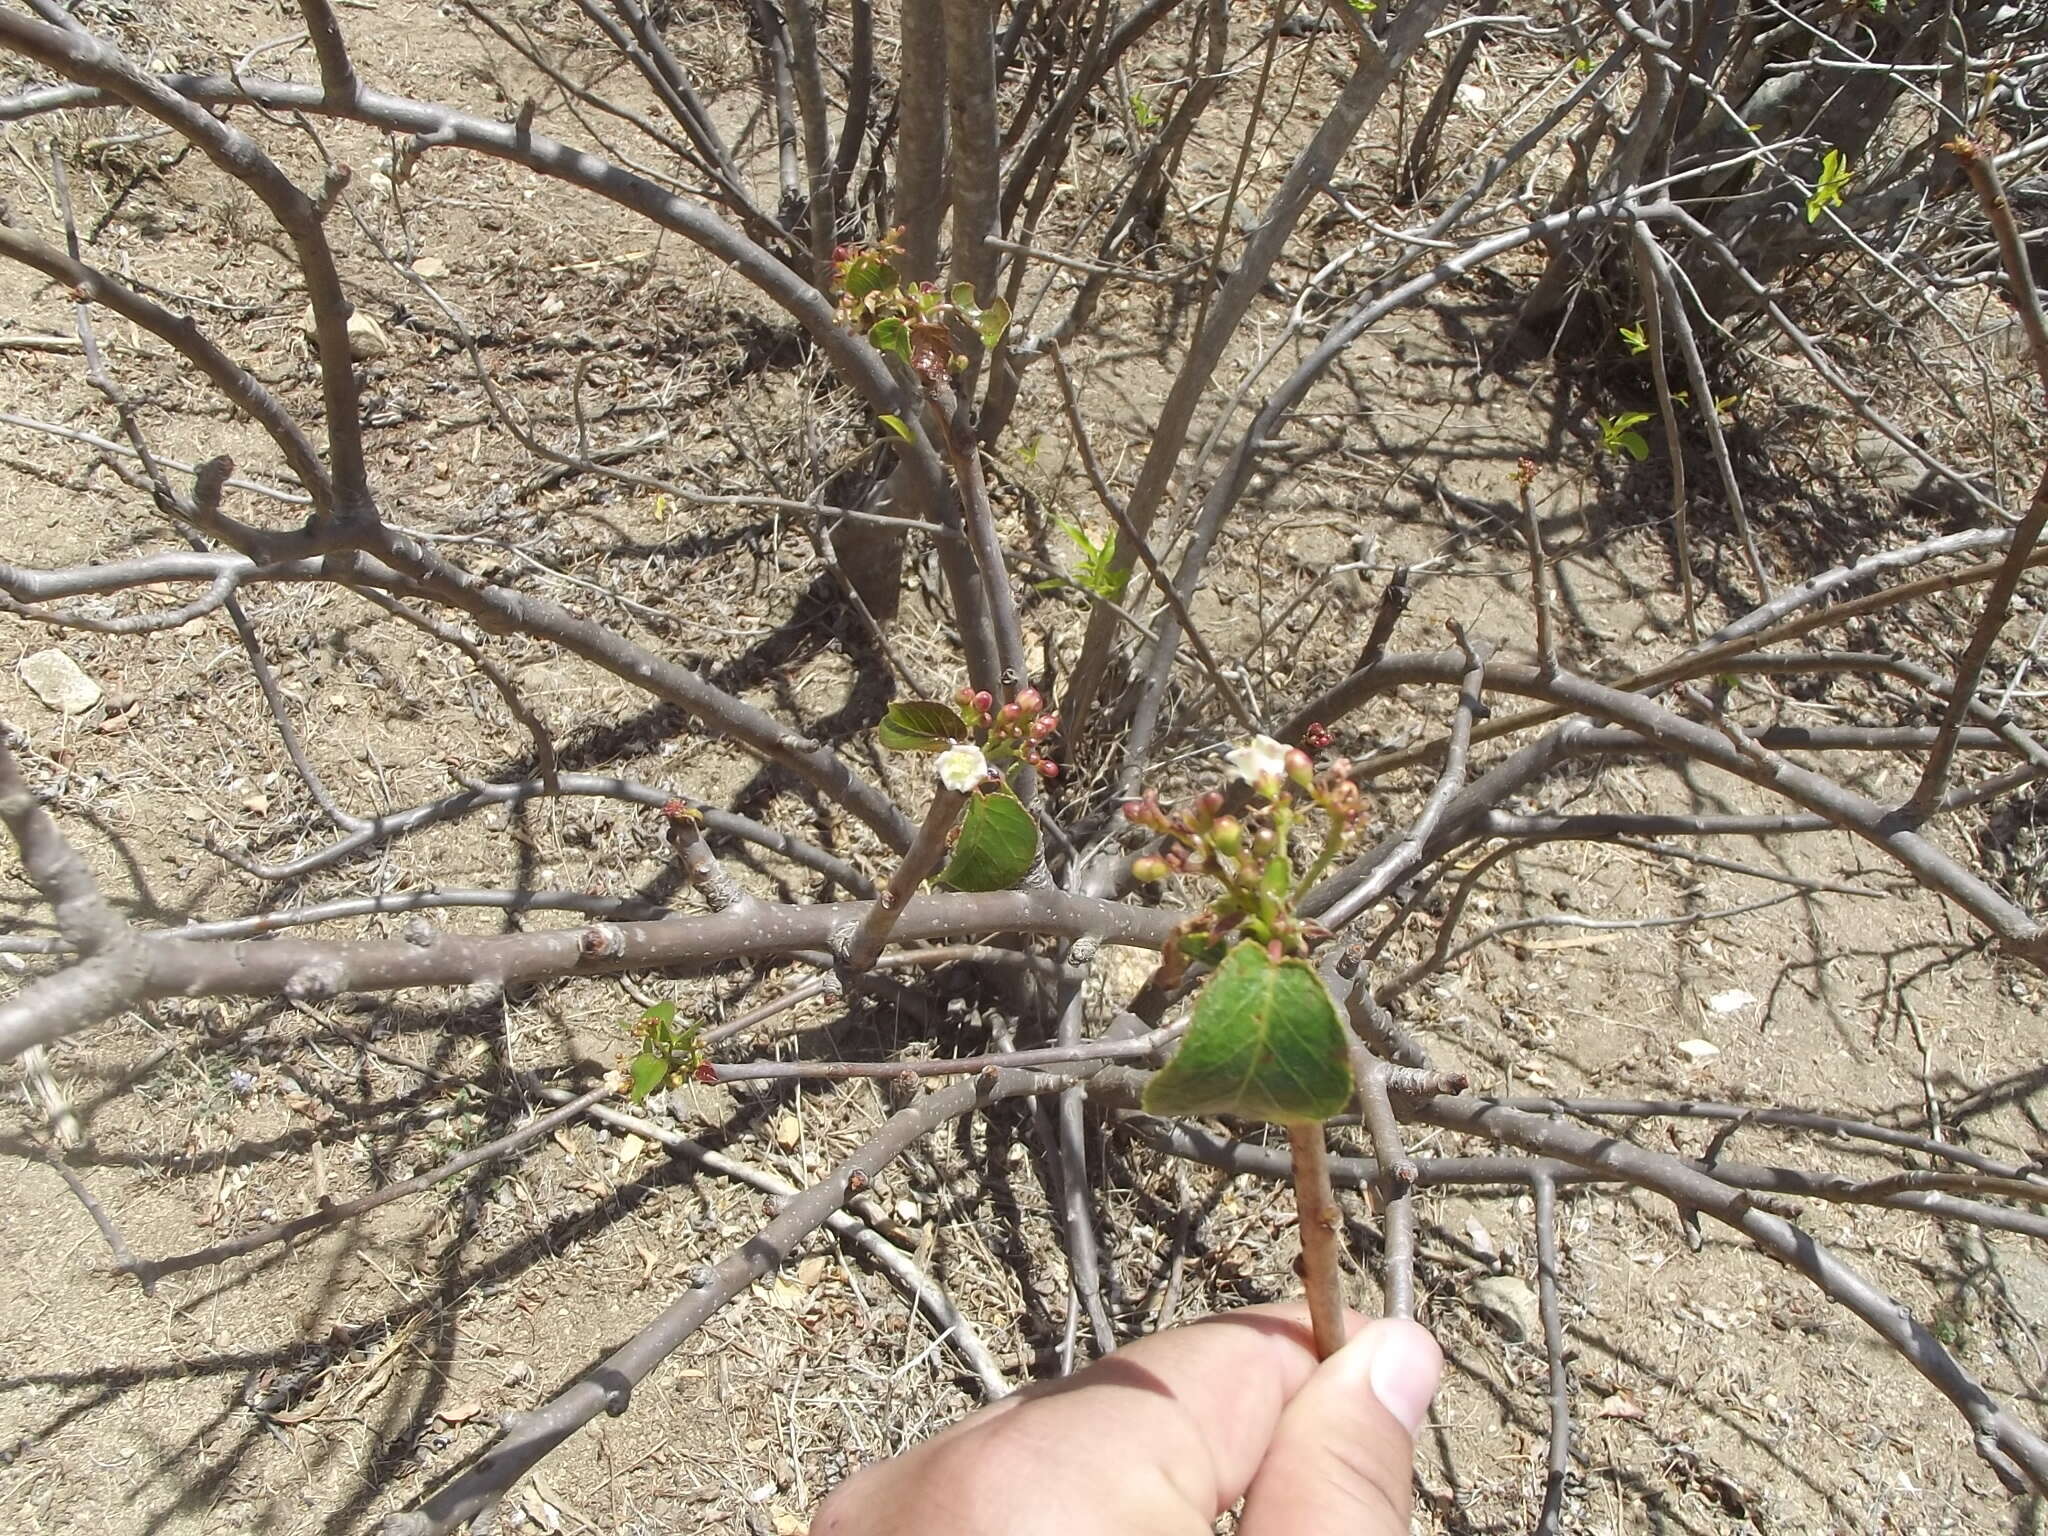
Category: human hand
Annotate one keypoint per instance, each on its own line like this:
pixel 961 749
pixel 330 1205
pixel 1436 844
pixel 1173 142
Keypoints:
pixel 1162 1436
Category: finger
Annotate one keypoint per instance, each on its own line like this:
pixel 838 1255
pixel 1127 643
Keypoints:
pixel 1182 1418
pixel 1342 1460
pixel 1195 1406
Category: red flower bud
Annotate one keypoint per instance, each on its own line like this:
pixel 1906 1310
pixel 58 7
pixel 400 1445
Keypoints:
pixel 1030 701
pixel 1047 769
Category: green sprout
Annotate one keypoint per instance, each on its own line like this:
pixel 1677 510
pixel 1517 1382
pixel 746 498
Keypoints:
pixel 1265 1039
pixel 1618 434
pixel 1096 572
pixel 912 322
pixel 669 1053
pixel 1827 192
pixel 976 741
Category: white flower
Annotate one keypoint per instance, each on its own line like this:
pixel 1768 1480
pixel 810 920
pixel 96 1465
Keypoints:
pixel 962 767
pixel 1260 758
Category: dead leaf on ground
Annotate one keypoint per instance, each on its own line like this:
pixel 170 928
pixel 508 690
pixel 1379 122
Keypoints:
pixel 1618 1405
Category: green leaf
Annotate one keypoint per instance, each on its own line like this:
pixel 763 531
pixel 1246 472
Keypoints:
pixel 1636 340
pixel 1834 180
pixel 649 1070
pixel 895 424
pixel 890 334
pixel 659 1021
pixel 1097 572
pixel 997 843
pixel 992 322
pixel 1617 434
pixel 963 300
pixel 1265 1042
pixel 866 272
pixel 920 725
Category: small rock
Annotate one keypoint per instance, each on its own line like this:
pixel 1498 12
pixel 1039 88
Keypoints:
pixel 1885 462
pixel 1463 1218
pixel 788 1130
pixel 1731 1001
pixel 430 267
pixel 59 682
pixel 367 340
pixel 1698 1050
pixel 1509 1304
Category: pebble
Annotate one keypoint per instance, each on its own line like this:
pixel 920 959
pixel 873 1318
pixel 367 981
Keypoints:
pixel 1510 1305
pixel 59 682
pixel 367 340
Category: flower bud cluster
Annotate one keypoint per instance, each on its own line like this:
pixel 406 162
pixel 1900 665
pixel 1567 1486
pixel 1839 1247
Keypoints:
pixel 1246 849
pixel 1016 731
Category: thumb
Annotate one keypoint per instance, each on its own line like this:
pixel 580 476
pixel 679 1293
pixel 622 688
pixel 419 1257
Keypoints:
pixel 1341 1462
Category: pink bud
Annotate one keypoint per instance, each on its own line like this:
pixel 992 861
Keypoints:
pixel 1048 770
pixel 1149 868
pixel 984 701
pixel 1030 701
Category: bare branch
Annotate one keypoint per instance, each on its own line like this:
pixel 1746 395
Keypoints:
pixel 310 970
pixel 867 941
pixel 859 1232
pixel 608 1388
pixel 1544 1188
pixel 2014 1452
